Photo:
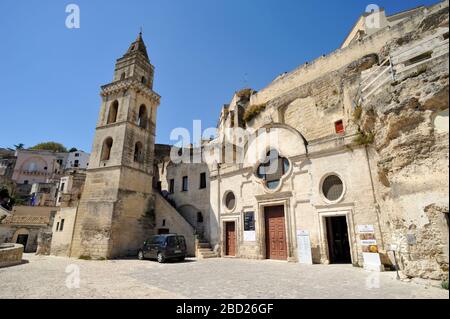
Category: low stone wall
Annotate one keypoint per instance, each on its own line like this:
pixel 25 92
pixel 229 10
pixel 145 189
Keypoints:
pixel 10 254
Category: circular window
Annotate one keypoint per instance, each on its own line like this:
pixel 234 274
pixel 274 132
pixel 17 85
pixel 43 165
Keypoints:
pixel 332 188
pixel 230 200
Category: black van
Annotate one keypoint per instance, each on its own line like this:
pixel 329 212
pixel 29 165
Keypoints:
pixel 164 247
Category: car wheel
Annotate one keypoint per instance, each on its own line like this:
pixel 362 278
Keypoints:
pixel 161 258
pixel 141 255
pixel 181 258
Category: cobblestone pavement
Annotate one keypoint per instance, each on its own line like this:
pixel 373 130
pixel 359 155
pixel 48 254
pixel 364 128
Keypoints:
pixel 46 277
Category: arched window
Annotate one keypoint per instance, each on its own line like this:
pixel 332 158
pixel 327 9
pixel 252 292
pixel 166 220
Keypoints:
pixel 106 149
pixel 142 116
pixel 32 167
pixel 272 169
pixel 122 76
pixel 138 154
pixel 113 110
pixel 143 80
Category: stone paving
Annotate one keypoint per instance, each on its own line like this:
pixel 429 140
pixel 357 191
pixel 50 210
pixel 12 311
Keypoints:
pixel 46 277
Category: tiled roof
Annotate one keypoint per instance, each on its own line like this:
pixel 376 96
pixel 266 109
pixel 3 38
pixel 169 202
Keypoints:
pixel 26 220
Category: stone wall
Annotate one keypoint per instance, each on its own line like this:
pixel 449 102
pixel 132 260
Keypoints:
pixel 169 218
pixel 10 255
pixel 62 239
pixel 410 157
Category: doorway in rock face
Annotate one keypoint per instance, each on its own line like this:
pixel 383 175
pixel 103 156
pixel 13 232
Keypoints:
pixel 338 242
pixel 22 239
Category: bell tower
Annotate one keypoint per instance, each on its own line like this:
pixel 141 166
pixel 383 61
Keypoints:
pixel 116 210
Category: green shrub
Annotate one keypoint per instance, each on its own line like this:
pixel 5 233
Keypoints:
pixel 244 93
pixel 85 257
pixel 364 138
pixel 50 146
pixel 445 284
pixel 357 112
pixel 252 111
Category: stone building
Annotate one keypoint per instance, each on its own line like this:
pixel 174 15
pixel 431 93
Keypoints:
pixel 360 153
pixel 69 194
pixel 342 160
pixel 7 162
pixel 118 208
pixel 35 167
pixel 27 225
pixel 77 160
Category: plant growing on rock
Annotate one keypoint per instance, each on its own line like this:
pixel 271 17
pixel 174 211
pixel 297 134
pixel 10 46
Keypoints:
pixel 252 111
pixel 244 93
pixel 357 112
pixel 364 138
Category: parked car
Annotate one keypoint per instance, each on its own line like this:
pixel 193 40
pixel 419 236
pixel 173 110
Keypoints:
pixel 164 247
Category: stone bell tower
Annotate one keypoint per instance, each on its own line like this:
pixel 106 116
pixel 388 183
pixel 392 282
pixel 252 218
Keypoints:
pixel 116 211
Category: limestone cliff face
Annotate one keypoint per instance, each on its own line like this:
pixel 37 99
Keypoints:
pixel 410 153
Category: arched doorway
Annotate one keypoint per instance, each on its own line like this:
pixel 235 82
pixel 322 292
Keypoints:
pixel 21 236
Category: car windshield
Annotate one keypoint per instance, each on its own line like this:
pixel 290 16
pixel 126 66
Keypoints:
pixel 175 241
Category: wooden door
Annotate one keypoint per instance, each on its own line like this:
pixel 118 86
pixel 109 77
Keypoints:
pixel 276 246
pixel 230 238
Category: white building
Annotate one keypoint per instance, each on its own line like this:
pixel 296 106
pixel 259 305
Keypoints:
pixel 77 159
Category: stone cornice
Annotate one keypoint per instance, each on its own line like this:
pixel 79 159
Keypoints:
pixel 130 83
pixel 117 166
pixel 151 127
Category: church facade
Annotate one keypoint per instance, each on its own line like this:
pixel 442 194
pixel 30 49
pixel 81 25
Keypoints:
pixel 343 160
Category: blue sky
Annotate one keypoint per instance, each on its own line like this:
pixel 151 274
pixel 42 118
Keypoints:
pixel 203 51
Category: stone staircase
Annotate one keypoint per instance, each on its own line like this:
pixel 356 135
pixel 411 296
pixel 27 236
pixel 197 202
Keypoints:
pixel 204 250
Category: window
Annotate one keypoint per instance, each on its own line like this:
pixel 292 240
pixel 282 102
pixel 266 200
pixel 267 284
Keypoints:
pixel 77 154
pixel 62 187
pixel 202 180
pixel 32 167
pixel 113 110
pixel 76 163
pixel 45 168
pixel 421 57
pixel 339 127
pixel 199 217
pixel 122 76
pixel 272 169
pixel 138 154
pixel 143 80
pixel 185 184
pixel 61 226
pixel 106 150
pixel 142 117
pixel 171 186
pixel 332 188
pixel 230 200
pixel 57 226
